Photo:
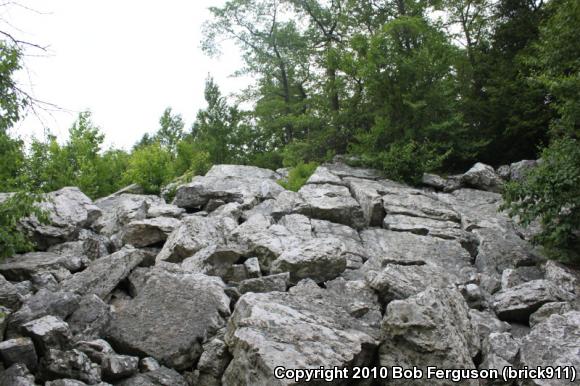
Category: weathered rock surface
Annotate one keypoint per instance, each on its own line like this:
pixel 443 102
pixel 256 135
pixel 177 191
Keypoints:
pixel 244 276
pixel 554 342
pixel 101 277
pixel 516 304
pixel 147 325
pixel 305 328
pixel 69 210
pixel 432 328
pixel 143 233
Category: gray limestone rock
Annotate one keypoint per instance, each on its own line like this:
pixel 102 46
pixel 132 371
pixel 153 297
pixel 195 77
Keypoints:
pixel 484 177
pixel 143 233
pixel 19 350
pixel 147 325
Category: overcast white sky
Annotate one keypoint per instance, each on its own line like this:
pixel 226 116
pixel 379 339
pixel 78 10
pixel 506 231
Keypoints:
pixel 126 61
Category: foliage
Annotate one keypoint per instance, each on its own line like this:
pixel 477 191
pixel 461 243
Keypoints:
pixel 298 175
pixel 11 99
pixel 550 193
pixel 151 167
pixel 12 209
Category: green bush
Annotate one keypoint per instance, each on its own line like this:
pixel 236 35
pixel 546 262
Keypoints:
pixel 151 167
pixel 550 193
pixel 15 207
pixel 407 161
pixel 298 176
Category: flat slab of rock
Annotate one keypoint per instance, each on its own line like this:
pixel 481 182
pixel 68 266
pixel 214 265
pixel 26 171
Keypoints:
pixel 143 233
pixel 432 328
pixel 170 316
pixel 307 327
pixel 22 267
pixel 103 275
pixel 333 203
pixel 323 176
pixel 160 377
pixel 516 304
pixel 554 342
pixel 268 283
pixel 119 210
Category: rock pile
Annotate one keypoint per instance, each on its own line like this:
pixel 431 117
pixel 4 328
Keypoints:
pixel 238 277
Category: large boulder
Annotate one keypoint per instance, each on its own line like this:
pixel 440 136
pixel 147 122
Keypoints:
pixel 9 295
pixel 516 304
pixel 194 234
pixel 333 203
pixel 69 210
pixel 554 342
pixel 484 177
pixel 247 185
pixel 170 316
pixel 318 259
pixel 307 327
pixel 432 328
pixel 143 233
pixel 19 350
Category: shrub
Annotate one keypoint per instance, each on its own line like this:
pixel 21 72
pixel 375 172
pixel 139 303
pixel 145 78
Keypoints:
pixel 151 167
pixel 12 209
pixel 550 193
pixel 298 176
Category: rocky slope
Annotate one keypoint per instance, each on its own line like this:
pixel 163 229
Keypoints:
pixel 238 276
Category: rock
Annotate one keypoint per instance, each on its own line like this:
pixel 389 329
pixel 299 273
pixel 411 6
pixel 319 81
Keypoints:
pixel 323 176
pixel 119 211
pixel 548 309
pixel 72 364
pixel 343 170
pixel 213 362
pixel 412 203
pixel 9 296
pixel 517 303
pixel 116 367
pixel 473 295
pixel 429 329
pixel 194 234
pixel 101 277
pixel 484 177
pixel 287 202
pixel 486 322
pixel 504 172
pixel 216 261
pixel 22 267
pixel 147 325
pixel 90 319
pixel 403 248
pixel 433 181
pixel 16 375
pixel 149 364
pixel 333 203
pixel 369 196
pixel 69 210
pixel 562 276
pixel 269 283
pixel 4 315
pixel 96 349
pixel 48 332
pixel 19 350
pixel 501 344
pixel 253 267
pixel 44 280
pixel 402 281
pixel 60 304
pixel 71 382
pixel 424 226
pixel 519 169
pixel 320 260
pixel 512 277
pixel 143 233
pixel 554 342
pixel 165 210
pixel 307 327
pixel 160 377
pixel 246 185
pixel 88 244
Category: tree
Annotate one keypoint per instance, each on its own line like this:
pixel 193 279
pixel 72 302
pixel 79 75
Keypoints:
pixel 151 167
pixel 170 131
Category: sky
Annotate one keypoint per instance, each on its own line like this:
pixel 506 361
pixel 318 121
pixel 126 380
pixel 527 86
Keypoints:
pixel 125 61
